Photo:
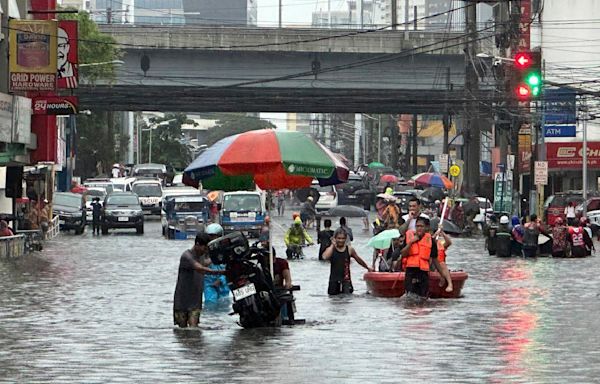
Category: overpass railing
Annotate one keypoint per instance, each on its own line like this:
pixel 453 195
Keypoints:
pixel 12 246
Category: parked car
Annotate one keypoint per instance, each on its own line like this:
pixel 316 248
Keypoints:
pixel 71 211
pixel 554 206
pixel 592 209
pixel 122 210
pixel 328 196
pixel 150 194
pixel 347 191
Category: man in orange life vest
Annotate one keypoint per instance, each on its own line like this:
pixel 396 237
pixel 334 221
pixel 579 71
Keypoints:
pixel 421 250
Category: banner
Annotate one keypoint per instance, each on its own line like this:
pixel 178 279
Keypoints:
pixel 570 155
pixel 67 55
pixel 32 60
pixel 6 117
pixel 55 105
pixel 21 132
pixel 524 153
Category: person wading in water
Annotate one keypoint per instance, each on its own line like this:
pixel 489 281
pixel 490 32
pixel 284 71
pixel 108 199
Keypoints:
pixel 340 254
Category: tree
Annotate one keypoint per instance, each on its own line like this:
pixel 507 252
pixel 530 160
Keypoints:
pixel 95 141
pixel 93 47
pixel 167 140
pixel 233 123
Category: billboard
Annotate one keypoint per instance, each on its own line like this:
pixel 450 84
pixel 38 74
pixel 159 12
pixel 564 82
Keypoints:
pixel 67 55
pixel 21 120
pixel 559 106
pixel 33 49
pixel 569 155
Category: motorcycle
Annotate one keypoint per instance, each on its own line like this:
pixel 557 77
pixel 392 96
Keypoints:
pixel 294 251
pixel 255 299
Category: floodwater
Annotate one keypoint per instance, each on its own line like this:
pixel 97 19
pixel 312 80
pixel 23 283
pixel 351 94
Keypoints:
pixel 97 309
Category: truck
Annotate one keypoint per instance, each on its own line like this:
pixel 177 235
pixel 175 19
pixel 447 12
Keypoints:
pixel 243 211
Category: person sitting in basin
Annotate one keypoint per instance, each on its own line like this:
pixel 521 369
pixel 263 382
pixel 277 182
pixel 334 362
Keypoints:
pixel 419 251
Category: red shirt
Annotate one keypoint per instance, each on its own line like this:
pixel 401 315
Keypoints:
pixel 6 232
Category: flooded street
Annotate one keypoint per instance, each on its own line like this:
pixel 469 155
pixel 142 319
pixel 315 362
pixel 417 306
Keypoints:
pixel 98 309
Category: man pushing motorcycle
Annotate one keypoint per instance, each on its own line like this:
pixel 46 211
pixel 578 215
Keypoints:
pixel 295 237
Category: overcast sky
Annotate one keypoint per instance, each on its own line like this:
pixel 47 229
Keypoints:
pixel 294 12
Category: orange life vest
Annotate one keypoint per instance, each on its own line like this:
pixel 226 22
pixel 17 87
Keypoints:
pixel 419 252
pixel 441 251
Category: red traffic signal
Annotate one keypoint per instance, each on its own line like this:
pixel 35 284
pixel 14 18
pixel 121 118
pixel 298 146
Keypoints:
pixel 523 92
pixel 523 60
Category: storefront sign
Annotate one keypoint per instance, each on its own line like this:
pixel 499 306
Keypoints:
pixel 560 131
pixel 67 56
pixel 6 111
pixel 55 105
pixel 502 193
pixel 32 60
pixel 560 106
pixel 524 153
pixel 570 155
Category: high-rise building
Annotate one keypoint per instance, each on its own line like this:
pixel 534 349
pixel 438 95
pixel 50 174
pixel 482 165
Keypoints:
pixel 82 5
pixel 221 12
pixel 112 11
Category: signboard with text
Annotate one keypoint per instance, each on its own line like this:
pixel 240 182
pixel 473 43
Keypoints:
pixel 569 155
pixel 6 112
pixel 21 132
pixel 55 105
pixel 32 60
pixel 560 131
pixel 560 106
pixel 502 193
pixel 541 173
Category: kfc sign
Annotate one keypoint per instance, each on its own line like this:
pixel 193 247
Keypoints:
pixel 570 155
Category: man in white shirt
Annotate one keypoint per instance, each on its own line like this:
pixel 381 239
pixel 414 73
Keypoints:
pixel 410 219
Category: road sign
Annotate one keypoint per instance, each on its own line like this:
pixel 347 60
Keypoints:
pixel 454 171
pixel 502 193
pixel 444 163
pixel 561 107
pixel 541 173
pixel 560 131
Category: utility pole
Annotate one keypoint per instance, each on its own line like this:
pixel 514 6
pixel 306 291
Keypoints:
pixel 394 14
pixel 393 141
pixel 415 135
pixel 473 137
pixel 280 13
pixel 446 118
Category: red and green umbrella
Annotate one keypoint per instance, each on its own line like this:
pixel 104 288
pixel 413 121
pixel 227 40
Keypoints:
pixel 432 180
pixel 271 159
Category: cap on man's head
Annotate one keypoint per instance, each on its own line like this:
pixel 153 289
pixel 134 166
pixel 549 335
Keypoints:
pixel 504 220
pixel 309 198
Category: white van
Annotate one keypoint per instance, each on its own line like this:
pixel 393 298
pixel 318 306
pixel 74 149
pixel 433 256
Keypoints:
pixel 150 193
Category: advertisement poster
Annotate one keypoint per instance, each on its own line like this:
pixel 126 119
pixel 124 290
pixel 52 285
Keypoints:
pixel 67 56
pixel 33 49
pixel 55 105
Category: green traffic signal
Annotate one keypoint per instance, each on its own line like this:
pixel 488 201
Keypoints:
pixel 534 81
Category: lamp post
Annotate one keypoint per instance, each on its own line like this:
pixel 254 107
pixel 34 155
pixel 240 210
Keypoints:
pixel 150 129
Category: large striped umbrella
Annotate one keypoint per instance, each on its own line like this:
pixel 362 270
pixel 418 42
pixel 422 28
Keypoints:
pixel 432 180
pixel 272 159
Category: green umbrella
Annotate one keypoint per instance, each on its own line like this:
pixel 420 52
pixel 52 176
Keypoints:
pixel 383 240
pixel 376 164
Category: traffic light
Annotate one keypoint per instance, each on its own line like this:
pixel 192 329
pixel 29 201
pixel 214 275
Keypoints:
pixel 527 75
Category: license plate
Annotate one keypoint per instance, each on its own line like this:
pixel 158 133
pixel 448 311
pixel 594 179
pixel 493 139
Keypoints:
pixel 243 292
pixel 123 218
pixel 351 196
pixel 61 222
pixel 147 211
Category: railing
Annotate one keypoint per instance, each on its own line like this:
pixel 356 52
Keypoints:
pixel 12 246
pixel 53 229
pixel 33 239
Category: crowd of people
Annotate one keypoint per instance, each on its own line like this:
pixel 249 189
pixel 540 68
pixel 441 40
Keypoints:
pixel 505 238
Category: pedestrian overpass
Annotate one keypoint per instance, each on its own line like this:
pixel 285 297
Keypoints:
pixel 194 68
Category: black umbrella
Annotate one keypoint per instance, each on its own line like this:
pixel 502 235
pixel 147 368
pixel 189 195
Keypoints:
pixel 302 194
pixel 451 228
pixel 345 211
pixel 433 194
